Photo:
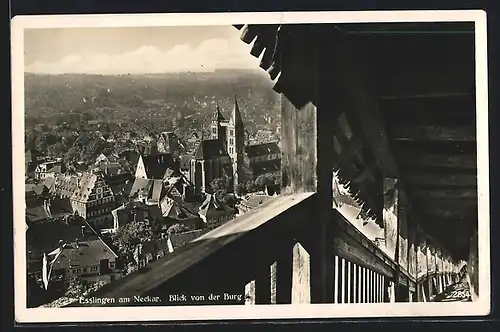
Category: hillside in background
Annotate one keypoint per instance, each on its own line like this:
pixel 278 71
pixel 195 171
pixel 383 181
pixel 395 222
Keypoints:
pixel 153 96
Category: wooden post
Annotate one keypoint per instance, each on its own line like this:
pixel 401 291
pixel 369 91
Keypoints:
pixel 354 283
pixel 273 283
pixel 365 285
pixel 343 285
pixel 349 281
pixel 360 284
pixel 337 280
pixel 390 215
pixel 301 292
pixel 308 110
pixel 373 287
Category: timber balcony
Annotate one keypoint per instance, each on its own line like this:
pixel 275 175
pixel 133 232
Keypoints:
pixel 397 125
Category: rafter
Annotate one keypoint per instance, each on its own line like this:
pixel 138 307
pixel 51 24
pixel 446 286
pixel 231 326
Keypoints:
pixel 464 161
pixel 432 133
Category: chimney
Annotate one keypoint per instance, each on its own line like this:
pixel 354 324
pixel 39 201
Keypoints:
pixel 76 243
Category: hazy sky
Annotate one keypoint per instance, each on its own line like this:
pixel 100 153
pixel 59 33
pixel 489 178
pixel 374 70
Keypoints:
pixel 135 50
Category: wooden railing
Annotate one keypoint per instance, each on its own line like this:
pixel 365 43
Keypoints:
pixel 270 249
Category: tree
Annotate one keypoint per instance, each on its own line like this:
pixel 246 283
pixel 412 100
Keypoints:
pixel 177 228
pixel 220 186
pixel 56 150
pixel 76 287
pixel 241 189
pixel 127 237
pixel 230 200
pixel 44 140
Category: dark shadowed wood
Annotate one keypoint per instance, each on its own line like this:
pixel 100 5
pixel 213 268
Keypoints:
pixel 466 161
pixel 432 133
pixel 422 179
pixel 445 193
pixel 458 203
pixel 307 159
pixel 416 108
pixel 444 212
pixel 390 216
pixel 284 276
pixel 263 286
pixel 352 245
pixel 358 90
pixel 432 81
pixel 298 133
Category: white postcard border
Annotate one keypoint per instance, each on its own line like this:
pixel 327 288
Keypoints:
pixel 105 314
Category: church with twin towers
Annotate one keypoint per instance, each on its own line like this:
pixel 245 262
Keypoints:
pixel 227 154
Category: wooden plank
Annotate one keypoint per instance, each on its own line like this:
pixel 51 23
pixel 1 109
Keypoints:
pixel 412 252
pixel 412 108
pixel 440 213
pixel 439 81
pixel 299 136
pixel 422 179
pixel 445 193
pixel 465 161
pixel 357 87
pixel 403 241
pixel 432 133
pixel 390 216
pixel 457 203
pixel 301 290
pixel 349 249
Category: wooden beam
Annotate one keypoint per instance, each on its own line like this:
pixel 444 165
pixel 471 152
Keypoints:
pixel 458 203
pixel 428 79
pixel 391 217
pixel 431 110
pixel 434 147
pixel 465 161
pixel 445 193
pixel 353 74
pixel 444 212
pixel 307 159
pixel 432 133
pixel 422 179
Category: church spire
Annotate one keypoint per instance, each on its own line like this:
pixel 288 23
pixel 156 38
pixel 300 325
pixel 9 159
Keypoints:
pixel 236 115
pixel 217 114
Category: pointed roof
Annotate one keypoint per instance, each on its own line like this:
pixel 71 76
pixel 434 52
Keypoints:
pixel 213 208
pixel 235 114
pixel 208 149
pixel 156 165
pixel 218 115
pixel 174 211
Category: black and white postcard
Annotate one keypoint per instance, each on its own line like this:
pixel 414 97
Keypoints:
pixel 250 166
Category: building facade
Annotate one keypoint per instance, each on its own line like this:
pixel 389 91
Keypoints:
pixel 225 153
pixel 48 169
pixel 93 200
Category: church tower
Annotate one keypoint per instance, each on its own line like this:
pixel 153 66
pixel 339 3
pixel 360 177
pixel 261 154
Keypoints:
pixel 217 131
pixel 236 143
